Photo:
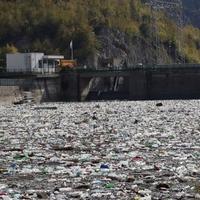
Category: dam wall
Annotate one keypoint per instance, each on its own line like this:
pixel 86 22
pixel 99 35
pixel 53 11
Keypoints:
pixel 151 83
pixel 165 84
pixel 133 84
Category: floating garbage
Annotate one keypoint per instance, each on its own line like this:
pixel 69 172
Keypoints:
pixel 104 166
pixel 100 150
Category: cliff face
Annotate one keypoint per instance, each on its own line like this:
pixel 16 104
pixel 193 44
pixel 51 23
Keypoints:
pixel 120 50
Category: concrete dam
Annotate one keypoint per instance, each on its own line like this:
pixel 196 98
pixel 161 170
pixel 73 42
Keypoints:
pixel 178 81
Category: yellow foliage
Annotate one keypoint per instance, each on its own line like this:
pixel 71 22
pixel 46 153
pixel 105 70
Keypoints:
pixel 191 44
pixel 192 54
pixel 49 25
pixel 9 48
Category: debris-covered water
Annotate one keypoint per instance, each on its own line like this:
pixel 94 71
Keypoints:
pixel 101 150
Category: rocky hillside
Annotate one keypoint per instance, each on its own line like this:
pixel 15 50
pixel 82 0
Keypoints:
pixel 115 32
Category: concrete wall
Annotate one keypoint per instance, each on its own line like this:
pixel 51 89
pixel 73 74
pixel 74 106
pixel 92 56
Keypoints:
pixel 45 90
pixel 164 84
pixel 42 89
pixel 173 85
pixel 137 85
pixel 150 84
pixel 74 87
pixel 69 86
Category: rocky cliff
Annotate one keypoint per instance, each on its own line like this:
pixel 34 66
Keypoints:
pixel 120 50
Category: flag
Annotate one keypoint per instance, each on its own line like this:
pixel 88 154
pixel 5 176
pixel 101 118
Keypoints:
pixel 71 44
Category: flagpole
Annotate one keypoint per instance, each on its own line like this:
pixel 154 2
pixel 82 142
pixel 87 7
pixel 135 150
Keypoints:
pixel 72 50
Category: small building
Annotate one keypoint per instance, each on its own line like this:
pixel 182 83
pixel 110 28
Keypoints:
pixel 32 62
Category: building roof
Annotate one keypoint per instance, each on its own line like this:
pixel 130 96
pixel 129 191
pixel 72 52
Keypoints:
pixel 53 57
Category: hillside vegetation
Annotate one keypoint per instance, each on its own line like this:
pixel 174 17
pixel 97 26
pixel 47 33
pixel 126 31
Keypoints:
pixel 49 26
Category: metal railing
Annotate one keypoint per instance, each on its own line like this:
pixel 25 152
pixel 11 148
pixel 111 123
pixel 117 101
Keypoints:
pixel 47 71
